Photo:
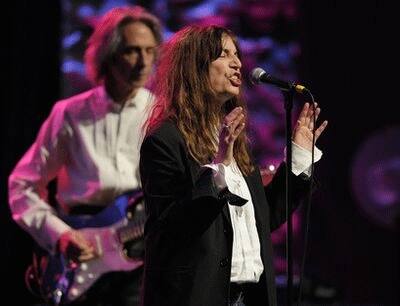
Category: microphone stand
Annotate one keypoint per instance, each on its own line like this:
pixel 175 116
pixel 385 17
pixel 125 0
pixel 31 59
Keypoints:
pixel 288 95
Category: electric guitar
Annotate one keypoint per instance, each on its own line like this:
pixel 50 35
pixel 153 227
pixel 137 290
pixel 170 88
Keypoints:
pixel 109 231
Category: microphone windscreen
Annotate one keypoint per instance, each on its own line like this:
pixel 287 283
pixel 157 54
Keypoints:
pixel 256 74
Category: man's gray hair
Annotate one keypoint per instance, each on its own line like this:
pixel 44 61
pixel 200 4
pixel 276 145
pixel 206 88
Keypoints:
pixel 107 38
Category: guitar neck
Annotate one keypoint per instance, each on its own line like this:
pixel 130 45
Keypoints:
pixel 134 230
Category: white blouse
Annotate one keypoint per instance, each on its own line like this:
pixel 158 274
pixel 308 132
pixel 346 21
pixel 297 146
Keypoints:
pixel 247 265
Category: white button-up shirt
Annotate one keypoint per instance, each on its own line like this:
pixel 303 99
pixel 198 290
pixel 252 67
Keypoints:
pixel 247 265
pixel 91 144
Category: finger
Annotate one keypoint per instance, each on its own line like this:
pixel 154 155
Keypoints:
pixel 86 257
pixel 236 122
pixel 317 112
pixel 82 245
pixel 232 115
pixel 320 129
pixel 89 251
pixel 82 242
pixel 312 119
pixel 88 248
pixel 238 130
pixel 307 118
pixel 311 110
pixel 83 251
pixel 303 113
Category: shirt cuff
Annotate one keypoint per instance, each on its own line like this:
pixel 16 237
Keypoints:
pixel 219 174
pixel 219 171
pixel 301 159
pixel 44 226
pixel 54 228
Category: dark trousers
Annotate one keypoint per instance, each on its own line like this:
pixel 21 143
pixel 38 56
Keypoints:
pixel 248 294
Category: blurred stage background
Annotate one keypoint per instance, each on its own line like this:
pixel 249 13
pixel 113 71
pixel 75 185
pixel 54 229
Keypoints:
pixel 342 52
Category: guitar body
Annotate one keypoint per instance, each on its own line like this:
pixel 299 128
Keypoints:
pixel 108 231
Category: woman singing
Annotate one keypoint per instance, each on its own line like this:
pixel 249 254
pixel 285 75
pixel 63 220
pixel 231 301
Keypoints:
pixel 209 217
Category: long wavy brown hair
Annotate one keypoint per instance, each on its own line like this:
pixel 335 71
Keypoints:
pixel 184 95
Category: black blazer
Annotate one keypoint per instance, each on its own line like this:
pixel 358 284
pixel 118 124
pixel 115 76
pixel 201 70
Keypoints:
pixel 188 233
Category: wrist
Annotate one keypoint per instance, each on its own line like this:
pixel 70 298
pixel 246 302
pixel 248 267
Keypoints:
pixel 225 161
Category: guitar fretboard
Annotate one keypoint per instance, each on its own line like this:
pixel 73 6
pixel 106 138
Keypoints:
pixel 132 231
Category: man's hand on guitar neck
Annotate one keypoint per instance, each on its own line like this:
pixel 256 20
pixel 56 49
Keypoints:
pixel 75 247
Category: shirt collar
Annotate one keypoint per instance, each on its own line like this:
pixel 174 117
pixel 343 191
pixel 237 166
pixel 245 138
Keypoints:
pixel 117 107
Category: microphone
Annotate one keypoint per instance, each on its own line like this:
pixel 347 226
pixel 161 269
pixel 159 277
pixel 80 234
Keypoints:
pixel 259 75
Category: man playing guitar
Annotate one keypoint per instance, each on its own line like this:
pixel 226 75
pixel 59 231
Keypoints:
pixel 90 144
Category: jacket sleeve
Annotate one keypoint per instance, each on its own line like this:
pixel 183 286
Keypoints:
pixel 275 193
pixel 179 204
pixel 27 183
